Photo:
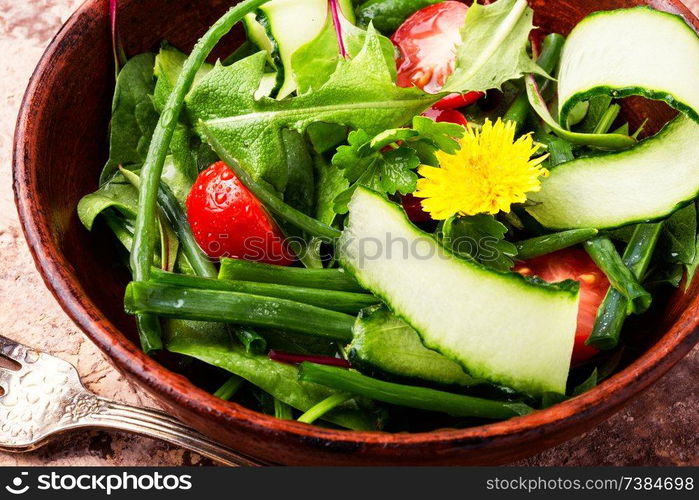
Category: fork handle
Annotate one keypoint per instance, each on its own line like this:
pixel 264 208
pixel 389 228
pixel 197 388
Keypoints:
pixel 160 425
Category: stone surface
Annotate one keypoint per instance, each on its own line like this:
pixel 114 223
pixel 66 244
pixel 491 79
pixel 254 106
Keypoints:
pixel 659 428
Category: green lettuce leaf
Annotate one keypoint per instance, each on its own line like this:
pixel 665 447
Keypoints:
pixel 360 94
pixel 494 47
pixel 314 62
pixel 133 116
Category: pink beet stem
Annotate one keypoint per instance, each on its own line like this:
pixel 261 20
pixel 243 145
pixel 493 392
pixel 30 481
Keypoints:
pixel 338 27
pixel 294 359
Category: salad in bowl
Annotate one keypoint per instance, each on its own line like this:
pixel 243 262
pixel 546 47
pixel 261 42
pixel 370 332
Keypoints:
pixel 402 214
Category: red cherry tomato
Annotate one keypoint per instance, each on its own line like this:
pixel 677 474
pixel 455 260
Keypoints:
pixel 454 101
pixel 228 221
pixel 446 115
pixel 575 264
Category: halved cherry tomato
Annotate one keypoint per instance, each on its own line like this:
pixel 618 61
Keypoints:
pixel 228 221
pixel 454 101
pixel 446 115
pixel 427 43
pixel 573 263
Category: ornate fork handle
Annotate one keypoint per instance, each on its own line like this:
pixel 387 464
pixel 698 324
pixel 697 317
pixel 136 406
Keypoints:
pixel 156 424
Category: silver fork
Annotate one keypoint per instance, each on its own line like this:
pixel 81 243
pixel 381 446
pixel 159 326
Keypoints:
pixel 41 396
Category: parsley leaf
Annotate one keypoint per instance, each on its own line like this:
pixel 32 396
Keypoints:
pixel 386 162
pixel 480 238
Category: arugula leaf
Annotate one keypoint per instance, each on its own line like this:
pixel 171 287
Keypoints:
pixel 481 238
pixel 388 15
pixel 494 47
pixel 314 62
pixel 360 94
pixel 133 116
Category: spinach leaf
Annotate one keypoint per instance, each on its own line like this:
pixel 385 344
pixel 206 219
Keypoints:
pixel 481 238
pixel 314 62
pixel 360 94
pixel 116 193
pixel 278 379
pixel 168 66
pixel 388 15
pixel 678 240
pixel 133 116
pixel 494 47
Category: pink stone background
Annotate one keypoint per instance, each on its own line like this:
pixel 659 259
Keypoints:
pixel 659 428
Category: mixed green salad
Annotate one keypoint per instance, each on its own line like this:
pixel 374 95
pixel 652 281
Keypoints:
pixel 402 214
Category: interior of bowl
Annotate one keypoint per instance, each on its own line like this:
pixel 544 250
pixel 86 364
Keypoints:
pixel 62 147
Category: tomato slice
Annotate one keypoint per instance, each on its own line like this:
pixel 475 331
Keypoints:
pixel 228 221
pixel 427 41
pixel 573 263
pixel 454 101
pixel 446 115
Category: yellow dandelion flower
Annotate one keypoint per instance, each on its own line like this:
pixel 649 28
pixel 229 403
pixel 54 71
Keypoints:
pixel 488 174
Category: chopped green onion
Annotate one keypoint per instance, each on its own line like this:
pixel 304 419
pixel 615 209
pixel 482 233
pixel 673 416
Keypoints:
pixel 347 302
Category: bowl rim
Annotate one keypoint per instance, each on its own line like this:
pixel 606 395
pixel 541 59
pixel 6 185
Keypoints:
pixel 586 409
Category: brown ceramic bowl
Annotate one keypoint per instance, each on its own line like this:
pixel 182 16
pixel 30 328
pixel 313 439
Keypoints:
pixel 60 147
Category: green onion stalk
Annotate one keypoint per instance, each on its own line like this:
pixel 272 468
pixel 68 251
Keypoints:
pixel 424 398
pixel 347 302
pixel 323 279
pixel 614 308
pixel 604 254
pixel 145 227
pixel 236 308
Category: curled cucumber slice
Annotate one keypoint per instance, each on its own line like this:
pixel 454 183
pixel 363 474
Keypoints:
pixel 637 51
